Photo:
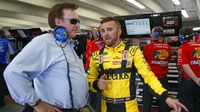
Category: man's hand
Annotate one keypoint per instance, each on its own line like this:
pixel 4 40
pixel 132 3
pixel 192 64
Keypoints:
pixel 45 107
pixel 102 82
pixel 175 105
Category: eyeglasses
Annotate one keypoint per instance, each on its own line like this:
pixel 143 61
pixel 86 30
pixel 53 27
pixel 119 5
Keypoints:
pixel 73 21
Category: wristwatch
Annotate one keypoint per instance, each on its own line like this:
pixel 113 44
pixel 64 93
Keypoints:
pixel 34 104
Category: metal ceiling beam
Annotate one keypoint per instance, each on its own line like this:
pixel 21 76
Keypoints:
pixel 21 16
pixel 198 8
pixel 33 15
pixel 6 24
pixel 22 22
pixel 23 8
pixel 41 20
pixel 83 12
pixel 104 5
pixel 152 5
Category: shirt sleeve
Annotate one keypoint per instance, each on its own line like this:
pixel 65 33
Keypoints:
pixel 27 65
pixel 170 53
pixel 148 76
pixel 93 72
pixel 182 56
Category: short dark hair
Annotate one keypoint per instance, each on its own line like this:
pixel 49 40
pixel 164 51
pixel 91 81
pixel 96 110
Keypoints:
pixel 158 29
pixel 57 11
pixel 187 32
pixel 107 19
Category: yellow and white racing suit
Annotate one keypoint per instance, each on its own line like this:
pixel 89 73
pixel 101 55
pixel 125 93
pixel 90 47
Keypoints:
pixel 120 65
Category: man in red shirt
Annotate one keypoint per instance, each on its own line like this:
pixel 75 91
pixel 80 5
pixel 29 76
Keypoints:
pixel 189 63
pixel 94 43
pixel 157 54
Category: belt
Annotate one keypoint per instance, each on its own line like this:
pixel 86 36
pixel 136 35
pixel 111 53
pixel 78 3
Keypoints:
pixel 71 110
pixel 118 100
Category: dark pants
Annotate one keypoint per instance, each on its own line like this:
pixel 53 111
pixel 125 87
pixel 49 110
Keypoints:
pixel 148 98
pixel 189 95
pixel 61 110
pixel 30 109
pixel 69 110
pixel 3 86
pixel 95 100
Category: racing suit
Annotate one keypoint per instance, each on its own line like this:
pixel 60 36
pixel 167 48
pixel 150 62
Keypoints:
pixel 157 55
pixel 189 91
pixel 120 65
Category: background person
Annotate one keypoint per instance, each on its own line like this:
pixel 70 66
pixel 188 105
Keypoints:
pixel 6 53
pixel 188 61
pixel 157 54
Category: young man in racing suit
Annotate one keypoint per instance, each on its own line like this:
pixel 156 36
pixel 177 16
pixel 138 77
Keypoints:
pixel 157 54
pixel 189 63
pixel 112 71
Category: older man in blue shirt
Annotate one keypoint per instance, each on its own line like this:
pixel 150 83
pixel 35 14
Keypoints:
pixel 59 80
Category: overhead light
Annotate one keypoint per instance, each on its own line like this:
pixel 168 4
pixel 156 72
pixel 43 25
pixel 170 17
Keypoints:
pixel 176 2
pixel 184 13
pixel 155 15
pixel 136 4
pixel 196 29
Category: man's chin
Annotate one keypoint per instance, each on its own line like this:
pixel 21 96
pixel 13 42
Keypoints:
pixel 108 44
pixel 72 36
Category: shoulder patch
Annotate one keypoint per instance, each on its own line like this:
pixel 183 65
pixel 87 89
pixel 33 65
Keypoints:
pixel 95 55
pixel 132 50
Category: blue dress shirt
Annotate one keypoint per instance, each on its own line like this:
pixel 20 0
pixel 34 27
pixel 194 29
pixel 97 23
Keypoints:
pixel 42 61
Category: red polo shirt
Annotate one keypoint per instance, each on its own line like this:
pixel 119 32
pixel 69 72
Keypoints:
pixel 157 55
pixel 189 53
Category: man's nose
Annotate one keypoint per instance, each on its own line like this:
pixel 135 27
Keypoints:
pixel 106 33
pixel 78 25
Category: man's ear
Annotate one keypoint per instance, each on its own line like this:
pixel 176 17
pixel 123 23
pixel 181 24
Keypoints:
pixel 152 36
pixel 58 21
pixel 119 31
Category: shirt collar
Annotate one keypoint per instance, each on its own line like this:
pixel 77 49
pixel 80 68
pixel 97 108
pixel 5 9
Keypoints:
pixel 116 47
pixel 188 41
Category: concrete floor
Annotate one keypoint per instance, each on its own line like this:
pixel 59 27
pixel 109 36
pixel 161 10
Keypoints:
pixel 11 106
